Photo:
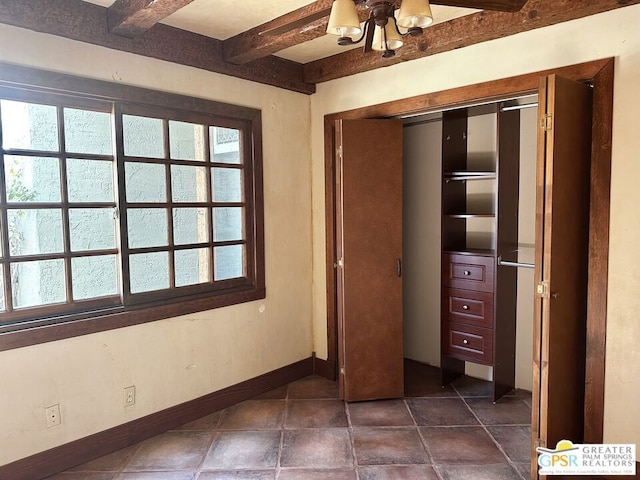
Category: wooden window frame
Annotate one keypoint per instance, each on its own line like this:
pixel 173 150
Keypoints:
pixel 28 84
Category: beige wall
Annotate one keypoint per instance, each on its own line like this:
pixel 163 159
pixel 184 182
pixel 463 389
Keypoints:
pixel 176 360
pixel 611 34
pixel 422 178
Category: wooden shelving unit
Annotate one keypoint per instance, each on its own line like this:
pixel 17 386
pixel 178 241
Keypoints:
pixel 479 217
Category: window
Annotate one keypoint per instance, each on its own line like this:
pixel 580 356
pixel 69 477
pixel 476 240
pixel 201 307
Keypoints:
pixel 108 208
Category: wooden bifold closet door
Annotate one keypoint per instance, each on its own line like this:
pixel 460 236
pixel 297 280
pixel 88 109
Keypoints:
pixel 562 227
pixel 369 256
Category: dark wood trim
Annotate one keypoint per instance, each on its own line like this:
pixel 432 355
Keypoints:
pixel 330 239
pixel 598 252
pixel 464 96
pixel 600 72
pixel 86 22
pixel 461 32
pixel 132 18
pixel 324 368
pixel 102 443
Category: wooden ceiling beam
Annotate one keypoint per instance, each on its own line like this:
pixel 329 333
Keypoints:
pixel 310 22
pixel 299 26
pixel 131 18
pixel 497 5
pixel 86 22
pixel 461 32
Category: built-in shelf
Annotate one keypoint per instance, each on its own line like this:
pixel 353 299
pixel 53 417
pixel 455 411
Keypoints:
pixel 518 255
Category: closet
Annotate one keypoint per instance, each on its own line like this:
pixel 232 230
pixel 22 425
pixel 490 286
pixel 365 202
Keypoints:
pixel 559 183
pixel 483 211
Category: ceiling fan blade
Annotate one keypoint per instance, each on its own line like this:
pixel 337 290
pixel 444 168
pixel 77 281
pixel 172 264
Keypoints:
pixel 497 5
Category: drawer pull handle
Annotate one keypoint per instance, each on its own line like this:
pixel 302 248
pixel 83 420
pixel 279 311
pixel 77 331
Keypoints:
pixel 465 307
pixel 465 341
pixel 467 273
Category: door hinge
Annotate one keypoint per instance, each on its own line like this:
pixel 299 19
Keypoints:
pixel 339 263
pixel 542 289
pixel 546 122
pixel 342 371
pixel 339 152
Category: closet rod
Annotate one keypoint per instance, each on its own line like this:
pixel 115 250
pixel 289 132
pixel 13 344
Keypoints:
pixel 518 107
pixel 504 263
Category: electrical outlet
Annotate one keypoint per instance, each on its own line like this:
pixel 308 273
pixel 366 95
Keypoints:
pixel 130 396
pixel 52 415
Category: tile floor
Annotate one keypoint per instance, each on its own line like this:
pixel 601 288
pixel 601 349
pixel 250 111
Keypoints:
pixel 302 431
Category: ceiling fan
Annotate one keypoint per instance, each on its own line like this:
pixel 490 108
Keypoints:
pixel 382 19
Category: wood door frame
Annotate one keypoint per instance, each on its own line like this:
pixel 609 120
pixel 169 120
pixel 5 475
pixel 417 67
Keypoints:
pixel 600 74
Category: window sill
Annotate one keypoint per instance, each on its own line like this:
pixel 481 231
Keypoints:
pixel 110 319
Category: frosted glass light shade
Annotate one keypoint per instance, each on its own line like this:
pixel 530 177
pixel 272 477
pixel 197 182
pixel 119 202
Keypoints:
pixel 394 40
pixel 415 13
pixel 343 20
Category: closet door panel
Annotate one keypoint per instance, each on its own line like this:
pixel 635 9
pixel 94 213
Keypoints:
pixel 369 217
pixel 562 221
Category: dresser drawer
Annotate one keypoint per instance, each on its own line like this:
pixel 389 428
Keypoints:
pixel 467 306
pixel 468 272
pixel 468 342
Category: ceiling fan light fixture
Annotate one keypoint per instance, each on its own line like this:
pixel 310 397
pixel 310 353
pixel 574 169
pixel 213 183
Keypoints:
pixel 343 20
pixel 386 39
pixel 414 14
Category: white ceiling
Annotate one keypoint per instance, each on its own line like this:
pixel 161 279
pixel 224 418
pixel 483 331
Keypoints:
pixel 222 19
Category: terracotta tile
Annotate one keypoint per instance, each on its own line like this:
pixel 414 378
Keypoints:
pixel 397 472
pixel 317 448
pixel 421 380
pixel 317 474
pixel 170 451
pixel 477 472
pixel 208 423
pixel 441 411
pixel 157 476
pixel 515 441
pixel 386 413
pixel 109 463
pixel 524 469
pixel 316 414
pixel 255 450
pixel 253 415
pixel 239 475
pixel 313 386
pixel 508 411
pixel 525 395
pixel 83 476
pixel 455 445
pixel 387 446
pixel 279 393
pixel 473 387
